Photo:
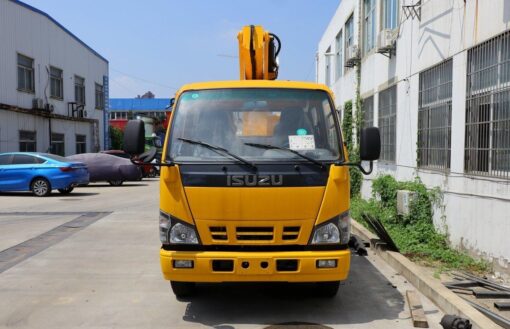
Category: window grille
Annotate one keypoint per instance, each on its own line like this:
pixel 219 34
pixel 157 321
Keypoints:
pixel 328 67
pixel 25 74
pixel 99 97
pixel 81 144
pixel 435 117
pixel 390 9
pixel 487 150
pixel 388 123
pixel 369 25
pixel 27 141
pixel 339 40
pixel 56 83
pixel 57 144
pixel 79 90
pixel 349 35
pixel 368 112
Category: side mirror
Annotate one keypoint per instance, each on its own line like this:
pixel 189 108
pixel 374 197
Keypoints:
pixel 370 144
pixel 134 137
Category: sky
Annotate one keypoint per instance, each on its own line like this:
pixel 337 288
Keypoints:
pixel 159 45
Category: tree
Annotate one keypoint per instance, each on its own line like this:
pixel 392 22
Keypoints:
pixel 148 94
pixel 116 138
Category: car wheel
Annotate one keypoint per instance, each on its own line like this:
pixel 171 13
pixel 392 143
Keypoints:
pixel 115 182
pixel 66 190
pixel 183 289
pixel 40 187
pixel 326 289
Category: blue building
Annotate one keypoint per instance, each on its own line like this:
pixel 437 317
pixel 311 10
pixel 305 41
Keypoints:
pixel 128 108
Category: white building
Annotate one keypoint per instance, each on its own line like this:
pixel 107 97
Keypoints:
pixel 435 78
pixel 52 85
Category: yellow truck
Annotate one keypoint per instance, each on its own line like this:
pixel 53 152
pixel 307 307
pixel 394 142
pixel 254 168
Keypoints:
pixel 254 181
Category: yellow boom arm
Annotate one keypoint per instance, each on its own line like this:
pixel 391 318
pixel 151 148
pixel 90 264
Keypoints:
pixel 257 54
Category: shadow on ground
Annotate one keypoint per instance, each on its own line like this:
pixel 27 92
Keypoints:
pixel 366 296
pixel 54 194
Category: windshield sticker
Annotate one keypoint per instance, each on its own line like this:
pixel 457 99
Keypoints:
pixel 301 132
pixel 194 96
pixel 301 142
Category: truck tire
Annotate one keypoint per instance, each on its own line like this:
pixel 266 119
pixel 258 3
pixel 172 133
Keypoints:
pixel 327 289
pixel 183 289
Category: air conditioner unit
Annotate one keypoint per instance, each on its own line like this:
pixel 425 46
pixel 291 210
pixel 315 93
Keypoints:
pixel 386 41
pixel 352 56
pixel 37 104
pixel 404 199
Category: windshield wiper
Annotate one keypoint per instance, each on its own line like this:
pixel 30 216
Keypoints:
pixel 273 147
pixel 220 149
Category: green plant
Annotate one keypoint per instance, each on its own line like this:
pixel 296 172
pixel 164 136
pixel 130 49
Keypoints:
pixel 352 148
pixel 414 234
pixel 116 138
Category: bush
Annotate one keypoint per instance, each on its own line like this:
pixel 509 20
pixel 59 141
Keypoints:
pixel 414 234
pixel 116 138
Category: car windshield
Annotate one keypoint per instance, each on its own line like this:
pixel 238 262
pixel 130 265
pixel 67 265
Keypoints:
pixel 297 119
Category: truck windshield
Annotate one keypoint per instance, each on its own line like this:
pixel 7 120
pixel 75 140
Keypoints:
pixel 297 119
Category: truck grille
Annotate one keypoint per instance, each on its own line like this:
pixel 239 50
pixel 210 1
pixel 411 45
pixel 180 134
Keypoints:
pixel 257 234
pixel 254 233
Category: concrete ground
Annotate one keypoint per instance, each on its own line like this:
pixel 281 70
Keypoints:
pixel 90 260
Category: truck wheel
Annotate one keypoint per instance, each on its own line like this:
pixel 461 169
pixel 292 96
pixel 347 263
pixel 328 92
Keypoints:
pixel 183 289
pixel 116 182
pixel 327 289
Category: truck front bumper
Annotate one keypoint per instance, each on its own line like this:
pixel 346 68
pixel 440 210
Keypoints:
pixel 226 266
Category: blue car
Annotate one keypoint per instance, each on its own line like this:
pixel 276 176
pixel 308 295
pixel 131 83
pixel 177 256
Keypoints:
pixel 40 173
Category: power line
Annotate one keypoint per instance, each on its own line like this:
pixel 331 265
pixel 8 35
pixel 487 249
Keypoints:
pixel 145 80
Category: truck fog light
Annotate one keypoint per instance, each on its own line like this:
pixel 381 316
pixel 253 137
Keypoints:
pixel 183 264
pixel 326 263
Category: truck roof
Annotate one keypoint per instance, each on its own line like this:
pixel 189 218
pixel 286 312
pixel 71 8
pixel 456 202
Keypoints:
pixel 254 84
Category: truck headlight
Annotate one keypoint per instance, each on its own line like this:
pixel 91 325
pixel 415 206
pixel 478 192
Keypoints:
pixel 174 231
pixel 336 230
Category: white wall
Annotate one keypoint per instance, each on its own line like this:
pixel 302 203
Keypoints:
pixel 36 36
pixel 474 209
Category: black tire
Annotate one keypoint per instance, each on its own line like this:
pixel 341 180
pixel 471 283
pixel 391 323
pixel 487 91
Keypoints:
pixel 326 289
pixel 116 182
pixel 40 187
pixel 66 190
pixel 183 289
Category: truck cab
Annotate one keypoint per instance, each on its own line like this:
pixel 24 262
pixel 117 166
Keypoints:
pixel 254 185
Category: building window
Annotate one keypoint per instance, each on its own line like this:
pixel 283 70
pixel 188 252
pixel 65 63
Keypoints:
pixel 349 35
pixel 81 144
pixel 368 25
pixel 368 112
pixel 25 74
pixel 339 44
pixel 487 149
pixel 388 123
pixel 58 144
pixel 435 117
pixel 27 141
pixel 56 83
pixel 99 97
pixel 390 14
pixel 328 66
pixel 79 90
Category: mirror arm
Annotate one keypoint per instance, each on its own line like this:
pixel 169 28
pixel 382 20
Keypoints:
pixel 157 164
pixel 357 165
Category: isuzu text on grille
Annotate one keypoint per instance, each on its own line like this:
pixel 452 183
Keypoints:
pixel 255 180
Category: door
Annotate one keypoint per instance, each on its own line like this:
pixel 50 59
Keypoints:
pixel 19 172
pixel 5 161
